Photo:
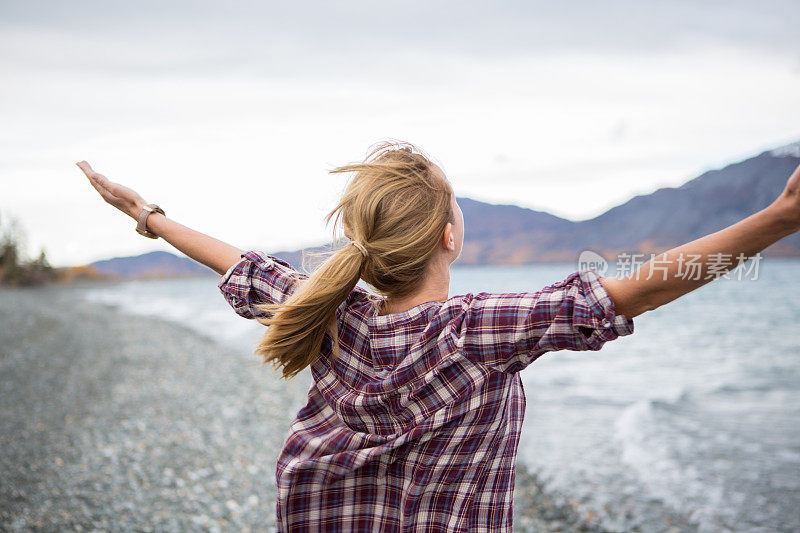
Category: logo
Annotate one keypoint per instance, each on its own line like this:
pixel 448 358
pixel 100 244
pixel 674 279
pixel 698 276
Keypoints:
pixel 589 260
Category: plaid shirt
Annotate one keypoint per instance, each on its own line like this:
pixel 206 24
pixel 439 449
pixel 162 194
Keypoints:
pixel 415 426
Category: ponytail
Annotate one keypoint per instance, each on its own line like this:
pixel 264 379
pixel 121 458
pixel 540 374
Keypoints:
pixel 297 327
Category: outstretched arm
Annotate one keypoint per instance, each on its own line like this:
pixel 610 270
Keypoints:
pixel 635 294
pixel 217 255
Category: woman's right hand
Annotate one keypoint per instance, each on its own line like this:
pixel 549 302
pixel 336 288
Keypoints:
pixel 121 197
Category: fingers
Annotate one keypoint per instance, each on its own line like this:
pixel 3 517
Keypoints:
pixel 87 169
pixel 97 179
pixel 83 165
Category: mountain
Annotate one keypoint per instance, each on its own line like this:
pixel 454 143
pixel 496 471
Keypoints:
pixel 649 223
pixel 157 264
pixel 501 234
pixel 708 203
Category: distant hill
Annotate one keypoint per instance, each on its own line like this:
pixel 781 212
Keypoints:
pixel 157 264
pixel 509 234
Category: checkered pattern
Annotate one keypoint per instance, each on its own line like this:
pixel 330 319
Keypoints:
pixel 415 426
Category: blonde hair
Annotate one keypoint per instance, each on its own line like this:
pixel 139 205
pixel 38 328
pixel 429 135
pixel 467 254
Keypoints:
pixel 397 208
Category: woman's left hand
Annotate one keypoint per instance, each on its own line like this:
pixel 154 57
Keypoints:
pixel 121 197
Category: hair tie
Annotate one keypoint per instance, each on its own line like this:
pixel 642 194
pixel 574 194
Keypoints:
pixel 360 247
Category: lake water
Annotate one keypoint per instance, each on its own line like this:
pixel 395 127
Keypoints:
pixel 696 415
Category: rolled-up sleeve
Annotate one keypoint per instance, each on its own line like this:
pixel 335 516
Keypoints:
pixel 509 331
pixel 258 278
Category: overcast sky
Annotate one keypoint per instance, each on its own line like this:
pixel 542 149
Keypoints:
pixel 230 114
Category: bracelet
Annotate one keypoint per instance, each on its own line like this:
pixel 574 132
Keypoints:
pixel 141 226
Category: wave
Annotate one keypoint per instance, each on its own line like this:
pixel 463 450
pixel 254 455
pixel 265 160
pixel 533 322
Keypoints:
pixel 195 304
pixel 707 460
pixel 655 438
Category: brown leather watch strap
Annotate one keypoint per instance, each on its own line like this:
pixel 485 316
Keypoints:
pixel 141 226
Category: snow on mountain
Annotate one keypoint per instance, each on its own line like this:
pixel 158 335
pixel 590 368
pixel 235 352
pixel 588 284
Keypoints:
pixel 792 150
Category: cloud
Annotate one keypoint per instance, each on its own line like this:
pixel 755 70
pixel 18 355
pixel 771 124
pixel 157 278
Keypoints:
pixel 273 39
pixel 244 106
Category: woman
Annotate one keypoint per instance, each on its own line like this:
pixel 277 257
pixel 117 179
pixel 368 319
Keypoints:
pixel 413 419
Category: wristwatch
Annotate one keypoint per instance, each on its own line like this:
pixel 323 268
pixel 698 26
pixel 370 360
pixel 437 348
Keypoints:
pixel 141 227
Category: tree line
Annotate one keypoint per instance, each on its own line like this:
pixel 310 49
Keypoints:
pixel 15 270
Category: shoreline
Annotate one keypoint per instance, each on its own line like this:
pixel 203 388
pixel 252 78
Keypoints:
pixel 120 422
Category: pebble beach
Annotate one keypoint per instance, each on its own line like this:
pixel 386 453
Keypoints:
pixel 116 422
